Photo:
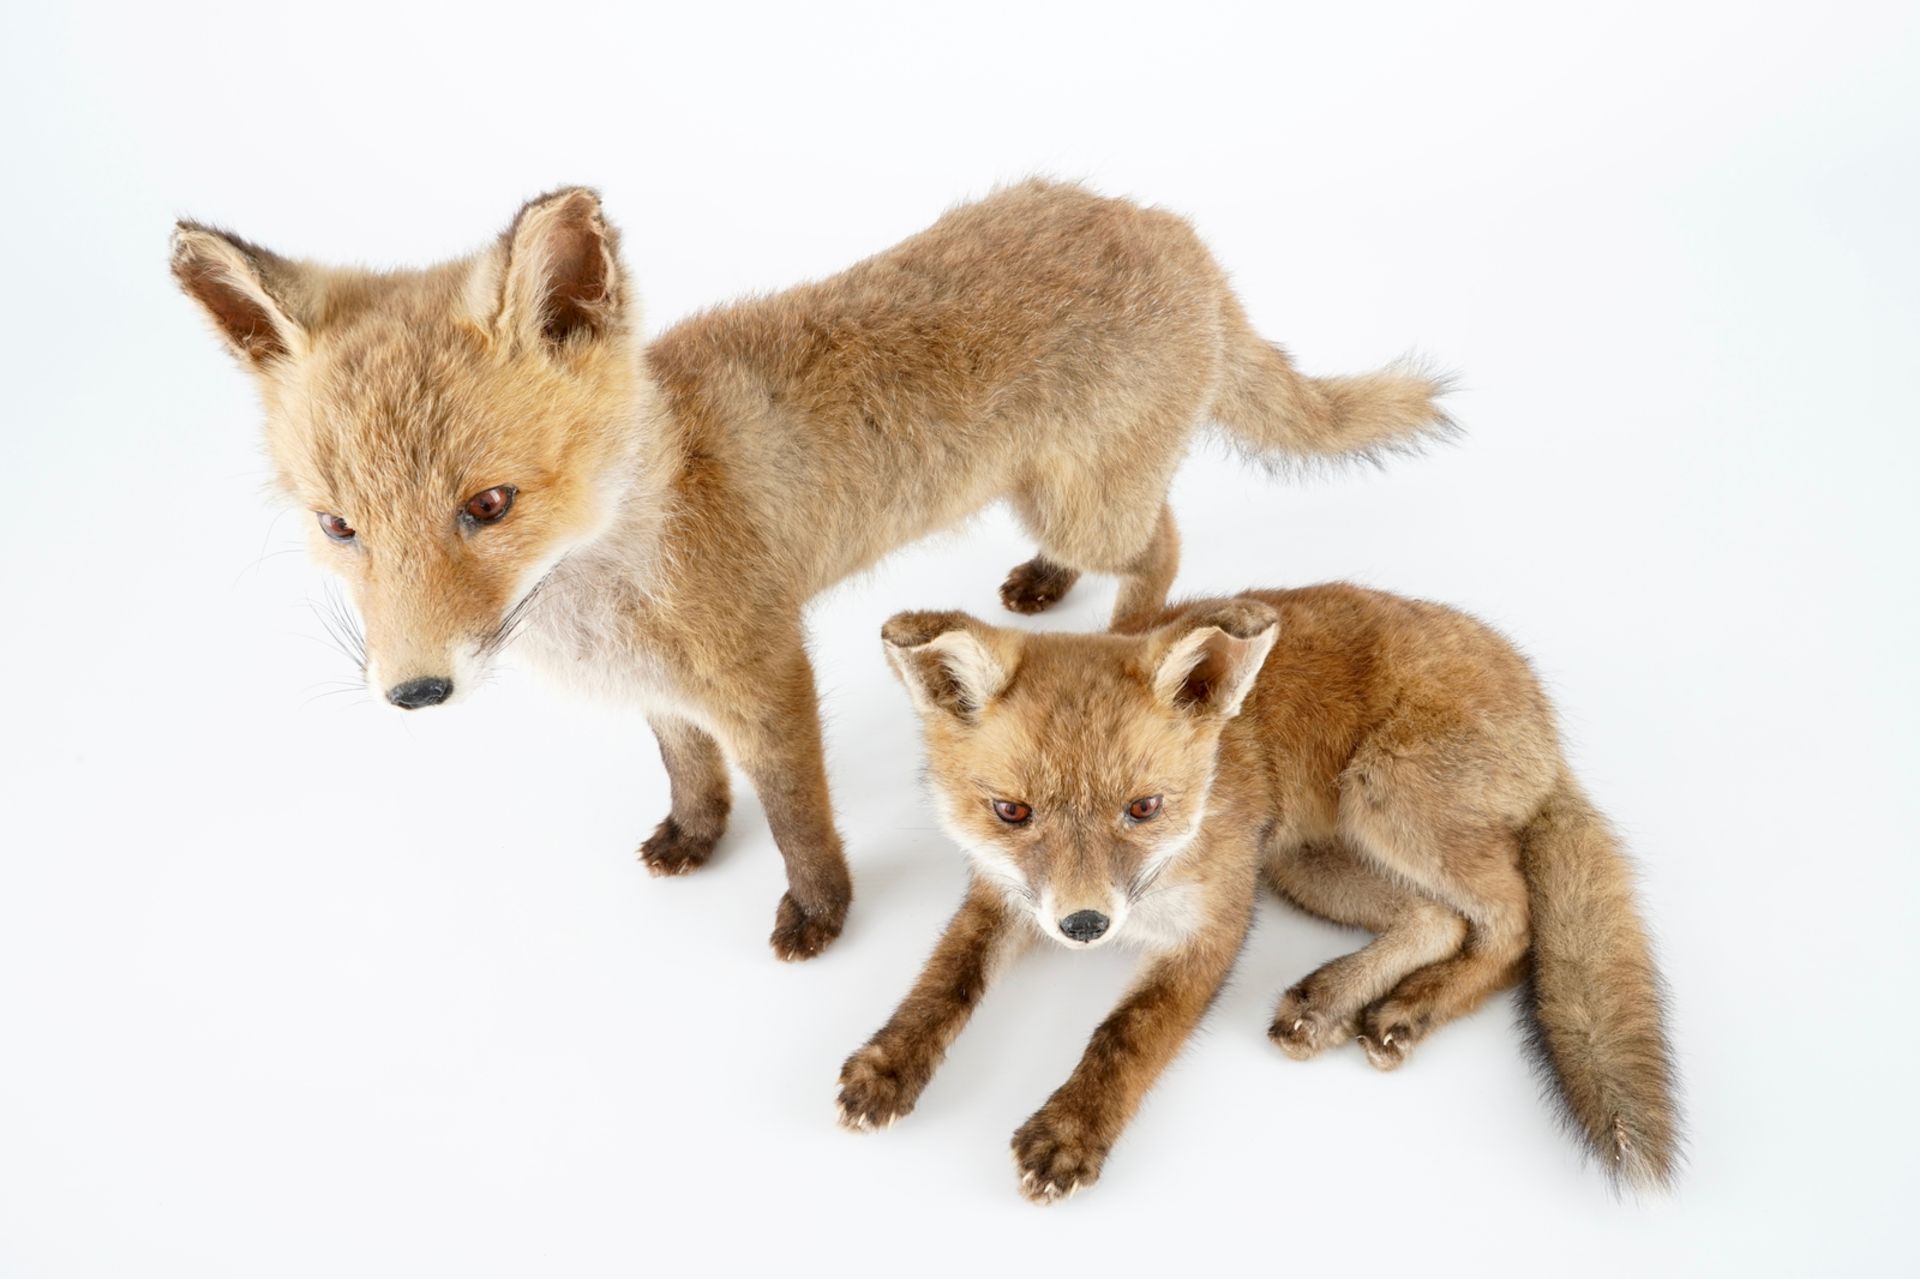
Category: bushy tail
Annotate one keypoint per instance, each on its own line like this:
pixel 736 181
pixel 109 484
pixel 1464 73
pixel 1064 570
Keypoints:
pixel 1596 1001
pixel 1272 408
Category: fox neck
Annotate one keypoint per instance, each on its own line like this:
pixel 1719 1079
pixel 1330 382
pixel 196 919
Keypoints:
pixel 627 552
pixel 644 496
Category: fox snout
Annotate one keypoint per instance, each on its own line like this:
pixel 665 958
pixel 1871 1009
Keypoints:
pixel 1079 916
pixel 414 693
pixel 1084 926
pixel 413 664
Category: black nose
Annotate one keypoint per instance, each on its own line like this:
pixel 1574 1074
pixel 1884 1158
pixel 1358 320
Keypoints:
pixel 416 693
pixel 1084 925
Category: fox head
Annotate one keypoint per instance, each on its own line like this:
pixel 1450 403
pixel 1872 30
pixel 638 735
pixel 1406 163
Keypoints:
pixel 454 432
pixel 1074 769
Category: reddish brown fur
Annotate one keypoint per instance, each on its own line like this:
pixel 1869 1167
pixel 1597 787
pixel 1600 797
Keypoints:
pixel 1394 766
pixel 678 504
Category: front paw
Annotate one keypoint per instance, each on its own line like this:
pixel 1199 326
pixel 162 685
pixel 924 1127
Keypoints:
pixel 878 1087
pixel 670 850
pixel 802 934
pixel 1057 1155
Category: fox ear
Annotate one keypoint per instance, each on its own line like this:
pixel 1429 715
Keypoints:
pixel 1209 659
pixel 558 271
pixel 243 289
pixel 950 663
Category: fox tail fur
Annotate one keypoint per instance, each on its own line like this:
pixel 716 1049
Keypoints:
pixel 1595 1002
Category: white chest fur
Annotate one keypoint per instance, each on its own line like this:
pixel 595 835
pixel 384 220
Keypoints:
pixel 589 633
pixel 1165 918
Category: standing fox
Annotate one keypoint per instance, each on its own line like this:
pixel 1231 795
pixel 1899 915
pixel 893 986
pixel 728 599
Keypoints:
pixel 1383 763
pixel 491 453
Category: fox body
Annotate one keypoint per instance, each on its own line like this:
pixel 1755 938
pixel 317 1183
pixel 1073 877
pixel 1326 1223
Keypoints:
pixel 494 455
pixel 1383 763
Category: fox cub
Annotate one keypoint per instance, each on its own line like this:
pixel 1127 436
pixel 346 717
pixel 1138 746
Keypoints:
pixel 1384 763
pixel 492 454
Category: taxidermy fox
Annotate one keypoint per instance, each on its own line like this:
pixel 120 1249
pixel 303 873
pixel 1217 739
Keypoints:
pixel 492 453
pixel 1384 763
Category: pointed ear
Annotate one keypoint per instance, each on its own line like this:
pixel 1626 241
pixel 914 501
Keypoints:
pixel 950 663
pixel 244 290
pixel 557 272
pixel 1209 659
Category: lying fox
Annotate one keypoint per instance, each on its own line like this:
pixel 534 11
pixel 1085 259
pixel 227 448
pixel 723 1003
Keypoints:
pixel 491 453
pixel 1383 763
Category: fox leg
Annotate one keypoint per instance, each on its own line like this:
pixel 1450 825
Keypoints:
pixel 1431 799
pixel 1493 899
pixel 1333 881
pixel 880 1083
pixel 1475 871
pixel 1104 513
pixel 1145 556
pixel 1063 1146
pixel 697 773
pixel 1148 577
pixel 775 737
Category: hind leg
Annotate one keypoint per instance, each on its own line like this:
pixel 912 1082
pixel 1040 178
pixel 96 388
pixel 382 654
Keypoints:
pixel 1147 577
pixel 1103 509
pixel 1333 881
pixel 1436 801
pixel 1474 871
pixel 1081 528
pixel 1494 958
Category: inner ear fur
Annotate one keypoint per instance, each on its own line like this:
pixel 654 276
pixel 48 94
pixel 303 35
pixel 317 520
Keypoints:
pixel 245 290
pixel 951 663
pixel 560 279
pixel 1206 663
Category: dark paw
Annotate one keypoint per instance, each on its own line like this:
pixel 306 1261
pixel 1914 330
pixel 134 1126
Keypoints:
pixel 1302 1030
pixel 671 851
pixel 1036 586
pixel 1388 1032
pixel 1057 1156
pixel 875 1091
pixel 798 934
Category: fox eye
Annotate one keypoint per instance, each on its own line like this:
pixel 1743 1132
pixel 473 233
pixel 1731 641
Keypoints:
pixel 487 506
pixel 1144 808
pixel 335 527
pixel 1012 811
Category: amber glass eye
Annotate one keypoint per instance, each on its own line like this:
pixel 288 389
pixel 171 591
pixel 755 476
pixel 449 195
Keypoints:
pixel 1011 811
pixel 489 505
pixel 1143 808
pixel 335 527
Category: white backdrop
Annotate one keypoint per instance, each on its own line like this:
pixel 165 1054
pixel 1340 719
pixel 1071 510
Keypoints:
pixel 292 985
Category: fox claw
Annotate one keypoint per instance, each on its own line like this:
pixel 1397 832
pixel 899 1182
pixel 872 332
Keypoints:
pixel 1302 1031
pixel 873 1093
pixel 1392 1029
pixel 1055 1161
